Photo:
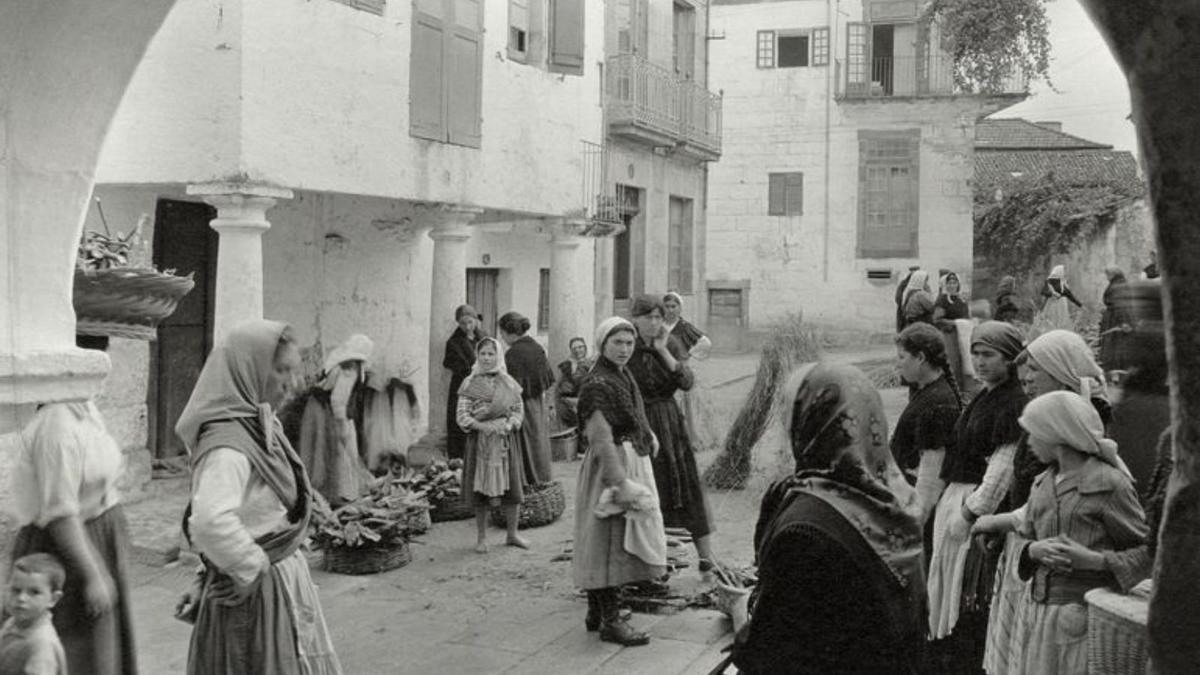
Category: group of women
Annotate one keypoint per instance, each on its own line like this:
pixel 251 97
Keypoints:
pixel 965 546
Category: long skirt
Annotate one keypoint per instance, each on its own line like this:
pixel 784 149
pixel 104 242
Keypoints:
pixel 1008 600
pixel 947 562
pixel 1055 315
pixel 600 559
pixel 1052 639
pixel 456 438
pixel 280 629
pixel 100 645
pixel 516 473
pixel 675 471
pixel 535 439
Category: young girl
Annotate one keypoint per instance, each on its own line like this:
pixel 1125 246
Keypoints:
pixel 490 412
pixel 1087 530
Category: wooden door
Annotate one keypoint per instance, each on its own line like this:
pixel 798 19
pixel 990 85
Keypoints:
pixel 481 294
pixel 183 241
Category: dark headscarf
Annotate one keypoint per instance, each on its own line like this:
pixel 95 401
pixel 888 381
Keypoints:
pixel 466 310
pixel 838 431
pixel 999 335
pixel 645 304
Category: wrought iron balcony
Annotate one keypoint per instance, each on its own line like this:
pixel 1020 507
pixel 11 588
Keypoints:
pixel 652 105
pixel 925 76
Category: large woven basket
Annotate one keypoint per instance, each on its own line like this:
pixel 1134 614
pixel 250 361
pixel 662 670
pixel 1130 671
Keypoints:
pixel 126 301
pixel 1117 642
pixel 367 560
pixel 543 505
pixel 453 508
pixel 419 522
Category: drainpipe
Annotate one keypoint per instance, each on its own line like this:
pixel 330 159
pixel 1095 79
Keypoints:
pixel 831 14
pixel 701 293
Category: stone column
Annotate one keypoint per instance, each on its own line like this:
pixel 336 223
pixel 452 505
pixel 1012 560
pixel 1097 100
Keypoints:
pixel 566 305
pixel 449 290
pixel 241 221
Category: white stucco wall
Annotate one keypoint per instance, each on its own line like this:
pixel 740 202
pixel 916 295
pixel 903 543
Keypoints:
pixel 782 120
pixel 314 96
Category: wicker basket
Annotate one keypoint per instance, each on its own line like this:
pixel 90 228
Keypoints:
pixel 367 560
pixel 543 505
pixel 419 522
pixel 562 445
pixel 126 301
pixel 453 508
pixel 1117 643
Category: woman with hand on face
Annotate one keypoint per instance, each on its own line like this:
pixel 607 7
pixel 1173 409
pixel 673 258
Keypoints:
pixel 1086 527
pixel 256 608
pixel 977 471
pixel 619 535
pixel 659 365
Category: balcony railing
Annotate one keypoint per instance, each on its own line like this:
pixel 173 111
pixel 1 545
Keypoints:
pixel 926 76
pixel 651 104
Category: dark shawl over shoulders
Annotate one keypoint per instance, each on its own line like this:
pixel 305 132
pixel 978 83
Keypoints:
pixel 527 364
pixel 989 422
pixel 615 396
pixel 460 356
pixel 656 382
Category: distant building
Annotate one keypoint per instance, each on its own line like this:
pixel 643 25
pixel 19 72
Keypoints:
pixel 1014 151
pixel 847 159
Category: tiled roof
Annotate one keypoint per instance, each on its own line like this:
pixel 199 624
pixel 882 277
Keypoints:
pixel 1019 134
pixel 1077 167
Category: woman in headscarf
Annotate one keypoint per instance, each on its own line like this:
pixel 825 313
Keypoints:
pixel 1086 527
pixel 950 315
pixel 918 300
pixel 67 503
pixel 838 544
pixel 977 471
pixel 659 366
pixel 330 426
pixel 697 346
pixel 619 535
pixel 1056 313
pixel 1055 361
pixel 490 412
pixel 256 608
pixel 527 364
pixel 460 356
pixel 950 304
pixel 1113 323
pixel 900 289
pixel 571 373
pixel 1008 306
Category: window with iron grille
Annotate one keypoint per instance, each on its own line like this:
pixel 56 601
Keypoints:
pixel 785 194
pixel 888 193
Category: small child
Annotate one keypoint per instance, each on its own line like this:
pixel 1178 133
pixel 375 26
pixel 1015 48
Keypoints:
pixel 29 644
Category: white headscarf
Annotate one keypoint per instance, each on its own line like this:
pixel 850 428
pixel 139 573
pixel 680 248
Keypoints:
pixel 1067 358
pixel 605 330
pixel 917 281
pixel 1058 272
pixel 1066 418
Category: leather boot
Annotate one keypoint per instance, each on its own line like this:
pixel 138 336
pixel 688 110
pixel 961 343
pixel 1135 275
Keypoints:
pixel 592 621
pixel 613 628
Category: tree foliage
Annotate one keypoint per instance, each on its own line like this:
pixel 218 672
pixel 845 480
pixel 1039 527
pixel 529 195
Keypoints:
pixel 992 41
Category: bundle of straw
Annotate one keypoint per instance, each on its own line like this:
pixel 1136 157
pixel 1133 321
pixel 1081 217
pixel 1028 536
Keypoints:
pixel 789 344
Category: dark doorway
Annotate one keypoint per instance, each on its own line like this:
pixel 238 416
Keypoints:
pixel 629 202
pixel 883 59
pixel 481 294
pixel 184 242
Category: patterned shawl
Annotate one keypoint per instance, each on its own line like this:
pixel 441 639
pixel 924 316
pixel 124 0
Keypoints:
pixel 491 385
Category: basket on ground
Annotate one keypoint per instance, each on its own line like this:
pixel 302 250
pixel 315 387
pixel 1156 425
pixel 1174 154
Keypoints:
pixel 543 505
pixel 126 301
pixel 1117 642
pixel 367 559
pixel 450 509
pixel 562 445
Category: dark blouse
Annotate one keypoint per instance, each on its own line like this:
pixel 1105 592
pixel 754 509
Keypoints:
pixel 571 377
pixel 527 364
pixel 927 423
pixel 656 382
pixel 825 603
pixel 611 390
pixel 460 356
pixel 1007 308
pixel 952 308
pixel 687 334
pixel 989 422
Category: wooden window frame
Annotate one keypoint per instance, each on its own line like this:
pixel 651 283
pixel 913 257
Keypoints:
pixel 765 49
pixel 819 46
pixel 571 64
pixel 782 199
pixel 543 320
pixel 681 246
pixel 451 126
pixel 886 154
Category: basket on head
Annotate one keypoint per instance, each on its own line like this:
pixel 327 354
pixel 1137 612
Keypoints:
pixel 126 302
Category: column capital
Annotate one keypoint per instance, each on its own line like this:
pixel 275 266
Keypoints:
pixel 445 217
pixel 568 232
pixel 241 207
pixel 238 189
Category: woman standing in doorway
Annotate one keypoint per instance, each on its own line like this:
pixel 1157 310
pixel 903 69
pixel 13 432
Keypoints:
pixel 977 471
pixel 528 365
pixel 460 356
pixel 660 369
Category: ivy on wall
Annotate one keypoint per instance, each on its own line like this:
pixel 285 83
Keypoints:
pixel 991 40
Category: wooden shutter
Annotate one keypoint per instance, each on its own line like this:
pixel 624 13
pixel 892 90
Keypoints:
pixel 464 81
pixel 777 194
pixel 794 198
pixel 427 71
pixel 566 35
pixel 858 75
pixel 685 41
pixel 686 248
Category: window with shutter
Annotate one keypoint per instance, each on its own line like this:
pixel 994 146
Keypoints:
pixel 633 26
pixel 680 251
pixel 518 30
pixel 684 38
pixel 427 98
pixel 566 36
pixel 446 71
pixel 785 194
pixel 888 193
pixel 820 47
pixel 792 51
pixel 766 49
